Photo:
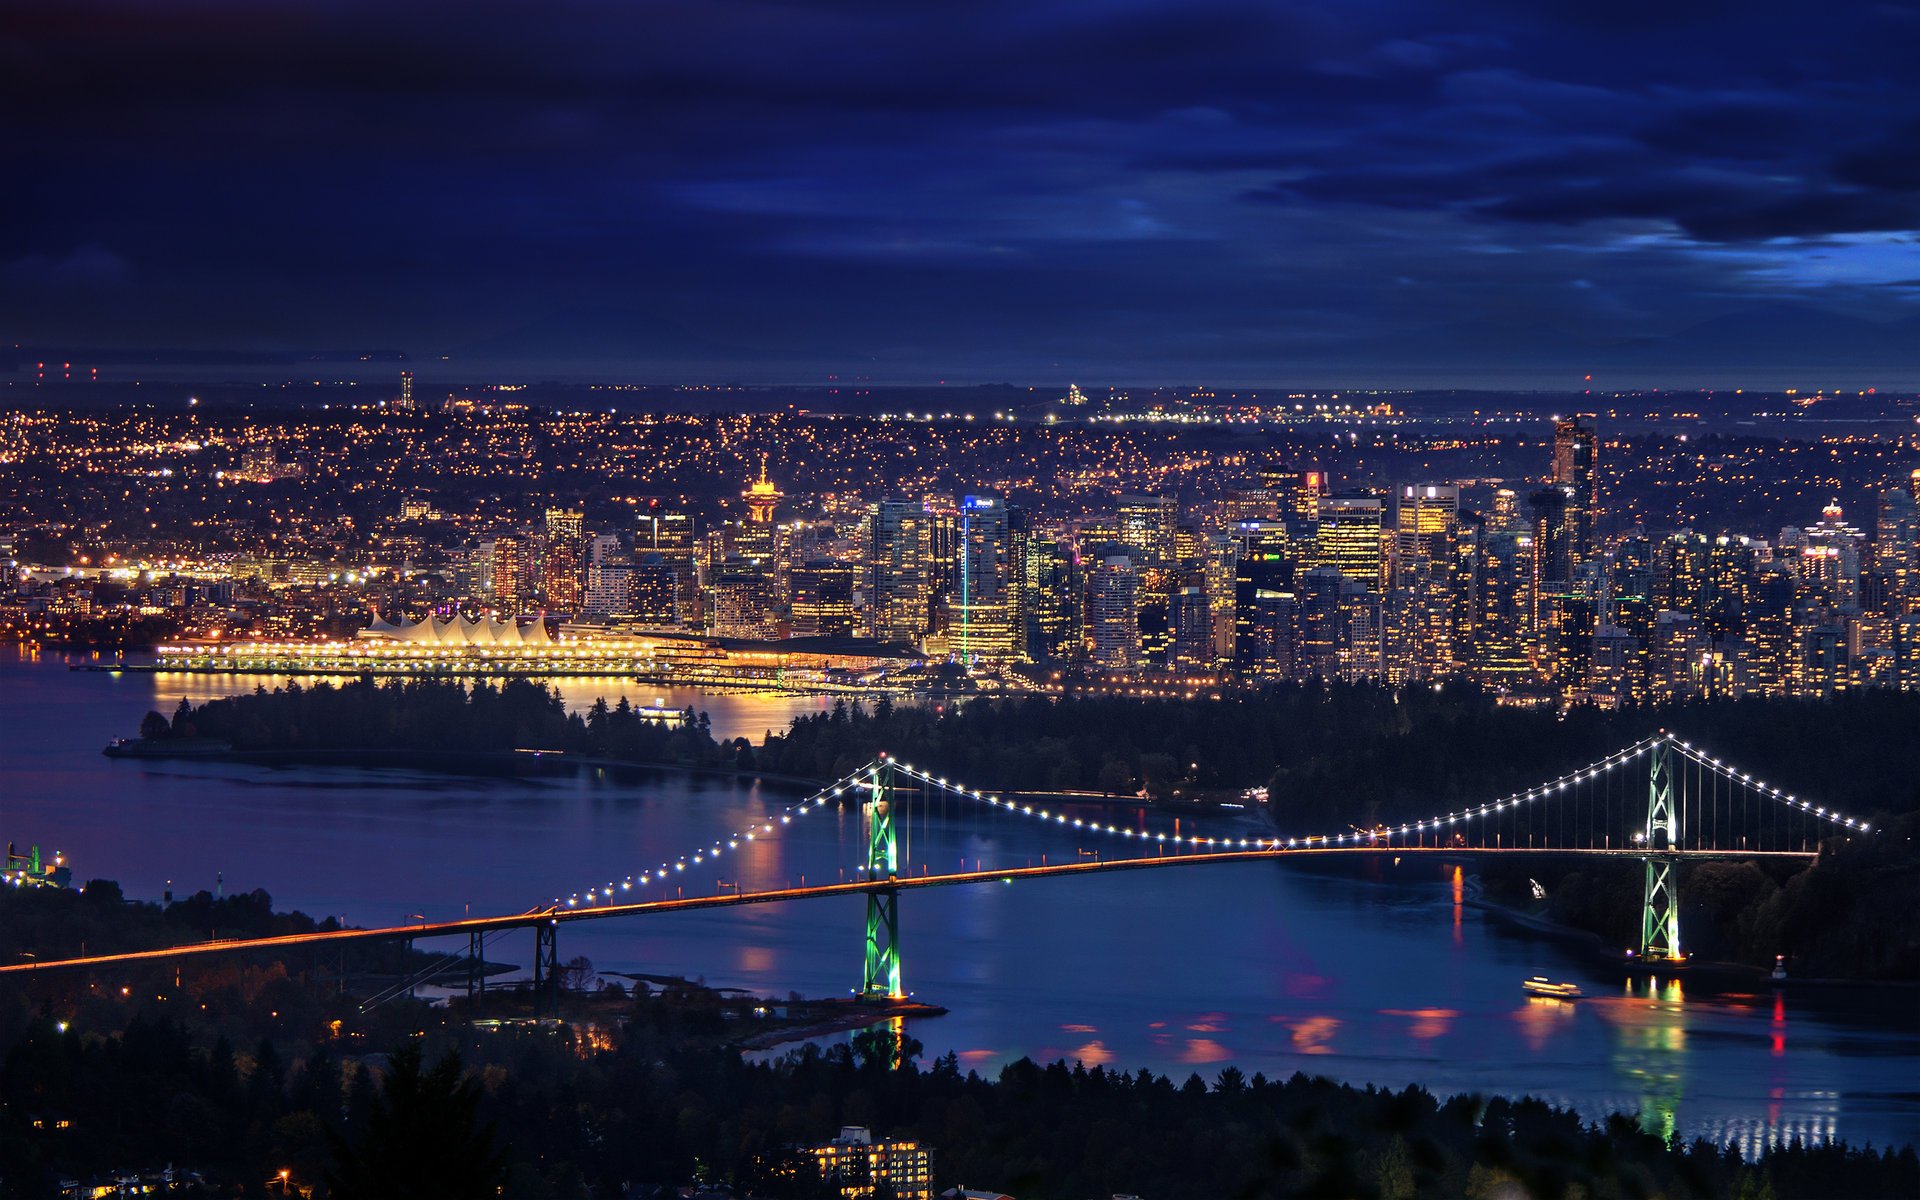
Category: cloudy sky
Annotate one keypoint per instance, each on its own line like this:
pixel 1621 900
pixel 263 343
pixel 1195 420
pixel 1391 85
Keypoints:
pixel 1392 191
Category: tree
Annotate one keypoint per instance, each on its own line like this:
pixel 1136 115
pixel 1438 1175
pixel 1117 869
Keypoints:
pixel 422 1139
pixel 154 727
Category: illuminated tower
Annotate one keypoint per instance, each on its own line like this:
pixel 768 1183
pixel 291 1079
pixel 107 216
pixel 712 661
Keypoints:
pixel 405 402
pixel 1350 538
pixel 1576 462
pixel 899 570
pixel 761 497
pixel 509 574
pixel 981 625
pixel 564 579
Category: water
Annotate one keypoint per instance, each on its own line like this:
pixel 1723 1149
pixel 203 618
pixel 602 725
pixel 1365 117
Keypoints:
pixel 1389 980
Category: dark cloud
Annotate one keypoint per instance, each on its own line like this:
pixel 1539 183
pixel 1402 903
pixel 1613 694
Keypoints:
pixel 1243 188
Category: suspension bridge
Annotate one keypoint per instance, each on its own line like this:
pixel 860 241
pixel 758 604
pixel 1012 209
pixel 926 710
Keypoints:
pixel 1661 800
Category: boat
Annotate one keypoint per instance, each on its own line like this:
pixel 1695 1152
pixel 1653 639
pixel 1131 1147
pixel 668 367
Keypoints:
pixel 1540 985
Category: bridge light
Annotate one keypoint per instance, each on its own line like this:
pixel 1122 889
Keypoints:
pixel 679 866
pixel 1864 827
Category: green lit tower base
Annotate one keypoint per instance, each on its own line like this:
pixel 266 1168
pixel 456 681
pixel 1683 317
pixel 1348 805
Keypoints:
pixel 1660 917
pixel 882 978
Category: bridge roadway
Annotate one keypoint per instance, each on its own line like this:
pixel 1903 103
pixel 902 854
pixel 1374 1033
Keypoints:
pixel 526 920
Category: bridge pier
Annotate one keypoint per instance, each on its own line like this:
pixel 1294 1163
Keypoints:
pixel 546 962
pixel 476 968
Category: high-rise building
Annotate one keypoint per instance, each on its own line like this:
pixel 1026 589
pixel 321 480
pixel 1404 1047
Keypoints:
pixel 564 576
pixel 899 571
pixel 1190 614
pixel 822 603
pixel 1425 564
pixel 1113 618
pixel 671 536
pixel 1576 462
pixel 609 577
pixel 404 403
pixel 509 574
pixel 1351 538
pixel 1896 550
pixel 984 600
pixel 1146 527
pixel 1051 600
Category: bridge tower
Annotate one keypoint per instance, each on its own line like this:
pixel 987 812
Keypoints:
pixel 881 980
pixel 1660 915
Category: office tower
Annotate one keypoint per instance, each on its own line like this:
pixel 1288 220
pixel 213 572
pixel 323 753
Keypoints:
pixel 1051 593
pixel 564 575
pixel 1264 565
pixel 1830 561
pixel 509 574
pixel 405 402
pixel 609 577
pixel 1576 460
pixel 1619 669
pixel 1568 617
pixel 1506 511
pixel 1250 504
pixel 1896 551
pixel 655 590
pixel 899 565
pixel 1190 614
pixel 1351 537
pixel 822 602
pixel 1146 527
pixel 1498 652
pixel 744 599
pixel 1427 529
pixel 982 606
pixel 1113 624
pixel 671 536
pixel 1675 658
pixel 1297 494
pixel 1772 604
pixel 1553 556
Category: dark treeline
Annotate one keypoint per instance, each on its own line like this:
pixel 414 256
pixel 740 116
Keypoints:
pixel 1360 751
pixel 439 716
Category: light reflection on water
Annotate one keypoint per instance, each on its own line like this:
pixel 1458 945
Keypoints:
pixel 1389 980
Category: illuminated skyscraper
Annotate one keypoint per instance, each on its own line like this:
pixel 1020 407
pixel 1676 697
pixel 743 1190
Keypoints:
pixel 899 571
pixel 1146 527
pixel 564 577
pixel 1351 539
pixel 1190 615
pixel 1896 550
pixel 984 602
pixel 823 599
pixel 1113 618
pixel 1576 462
pixel 509 574
pixel 1051 600
pixel 609 577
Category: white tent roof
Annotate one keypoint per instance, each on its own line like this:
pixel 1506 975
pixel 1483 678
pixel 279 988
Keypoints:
pixel 455 632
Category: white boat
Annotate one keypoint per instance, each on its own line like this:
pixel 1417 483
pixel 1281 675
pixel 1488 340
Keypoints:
pixel 1540 985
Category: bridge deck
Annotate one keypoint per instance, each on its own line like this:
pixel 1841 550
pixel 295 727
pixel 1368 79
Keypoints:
pixel 599 912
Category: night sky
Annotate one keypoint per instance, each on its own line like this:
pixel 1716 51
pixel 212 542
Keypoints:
pixel 1363 191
